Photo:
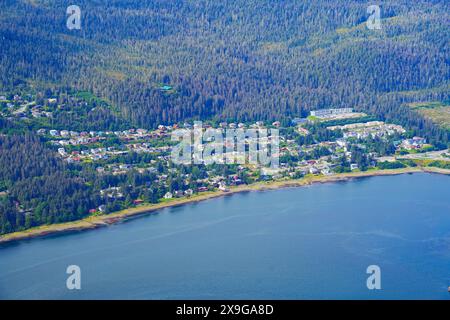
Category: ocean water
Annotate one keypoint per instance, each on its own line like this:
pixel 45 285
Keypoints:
pixel 311 242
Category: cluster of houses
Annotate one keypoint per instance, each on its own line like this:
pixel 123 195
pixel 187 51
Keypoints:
pixel 112 193
pixel 179 194
pixel 130 134
pixel 123 168
pixel 65 138
pixel 134 140
pixel 93 154
pixel 380 129
pixel 231 125
pixel 145 147
pixel 74 146
pixel 24 107
pixel 366 129
pixel 414 143
pixel 331 113
pixel 142 141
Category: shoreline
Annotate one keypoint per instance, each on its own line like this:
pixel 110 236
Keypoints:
pixel 94 222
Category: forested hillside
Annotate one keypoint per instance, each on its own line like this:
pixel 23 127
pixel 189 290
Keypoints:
pixel 36 179
pixel 244 59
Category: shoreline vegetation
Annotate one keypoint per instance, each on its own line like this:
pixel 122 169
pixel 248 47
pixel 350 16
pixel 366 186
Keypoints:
pixel 97 221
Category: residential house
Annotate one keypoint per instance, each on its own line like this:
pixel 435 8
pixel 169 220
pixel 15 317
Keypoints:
pixel 168 195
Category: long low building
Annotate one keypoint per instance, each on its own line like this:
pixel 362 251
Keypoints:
pixel 323 113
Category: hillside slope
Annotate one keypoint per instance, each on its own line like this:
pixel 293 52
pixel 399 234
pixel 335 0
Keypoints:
pixel 252 59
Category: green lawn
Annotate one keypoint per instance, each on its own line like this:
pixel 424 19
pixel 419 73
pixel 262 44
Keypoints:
pixel 438 112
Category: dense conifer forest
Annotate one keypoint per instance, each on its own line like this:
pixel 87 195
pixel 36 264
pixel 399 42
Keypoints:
pixel 257 59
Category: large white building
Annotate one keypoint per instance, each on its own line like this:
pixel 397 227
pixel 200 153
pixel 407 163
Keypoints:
pixel 326 113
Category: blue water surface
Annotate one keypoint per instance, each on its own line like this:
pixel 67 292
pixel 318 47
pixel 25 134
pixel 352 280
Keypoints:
pixel 311 242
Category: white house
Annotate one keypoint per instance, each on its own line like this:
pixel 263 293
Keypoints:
pixel 223 187
pixel 168 195
pixel 313 170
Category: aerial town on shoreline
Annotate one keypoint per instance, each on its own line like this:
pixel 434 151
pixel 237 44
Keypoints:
pixel 327 142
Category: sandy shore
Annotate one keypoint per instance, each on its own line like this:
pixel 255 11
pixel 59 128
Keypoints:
pixel 93 222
